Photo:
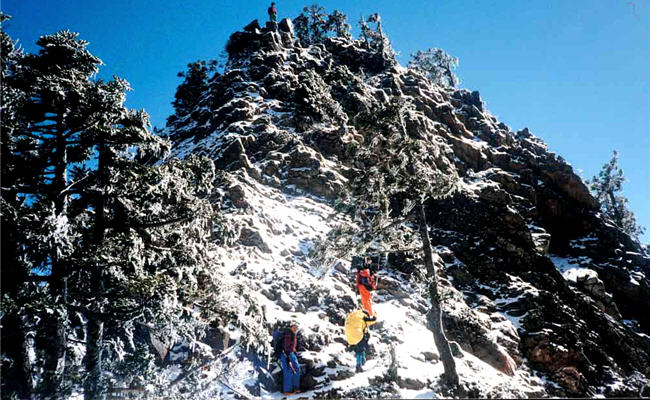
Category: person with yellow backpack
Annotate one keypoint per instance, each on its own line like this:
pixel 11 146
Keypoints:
pixel 357 333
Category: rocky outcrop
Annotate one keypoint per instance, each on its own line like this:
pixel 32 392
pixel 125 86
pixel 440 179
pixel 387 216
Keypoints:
pixel 291 116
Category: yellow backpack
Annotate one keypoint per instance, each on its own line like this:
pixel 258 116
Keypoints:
pixel 355 326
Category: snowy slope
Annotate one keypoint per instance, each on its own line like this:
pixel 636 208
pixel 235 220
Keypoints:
pixel 287 287
pixel 542 297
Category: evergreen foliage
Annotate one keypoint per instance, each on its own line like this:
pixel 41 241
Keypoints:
pixel 437 65
pixel 337 23
pixel 397 174
pixel 607 187
pixel 314 24
pixel 193 86
pixel 101 240
pixel 375 39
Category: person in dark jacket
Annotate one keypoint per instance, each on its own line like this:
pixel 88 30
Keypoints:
pixel 289 361
pixel 273 13
pixel 365 284
pixel 362 346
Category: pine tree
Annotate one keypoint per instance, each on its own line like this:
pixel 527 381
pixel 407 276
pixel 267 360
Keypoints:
pixel 54 116
pixel 397 175
pixel 301 26
pixel 437 65
pixel 99 226
pixel 375 39
pixel 337 23
pixel 311 25
pixel 607 187
pixel 317 22
pixel 18 295
pixel 193 86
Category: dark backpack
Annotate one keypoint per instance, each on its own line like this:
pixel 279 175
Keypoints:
pixel 277 341
pixel 357 262
pixel 363 280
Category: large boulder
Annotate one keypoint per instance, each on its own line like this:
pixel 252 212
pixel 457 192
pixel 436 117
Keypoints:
pixel 286 25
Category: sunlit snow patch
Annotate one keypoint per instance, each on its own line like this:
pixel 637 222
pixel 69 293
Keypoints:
pixel 572 269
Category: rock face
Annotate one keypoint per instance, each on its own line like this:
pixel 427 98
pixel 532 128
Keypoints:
pixel 510 240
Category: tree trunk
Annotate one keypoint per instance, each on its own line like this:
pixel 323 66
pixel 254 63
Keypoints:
pixel 94 342
pixel 26 355
pixel 54 364
pixel 363 32
pixel 93 388
pixel 617 217
pixel 450 76
pixel 60 169
pixel 434 317
pixel 18 346
pixel 381 36
pixel 55 350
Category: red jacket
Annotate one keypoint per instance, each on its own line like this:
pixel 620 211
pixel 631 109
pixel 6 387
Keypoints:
pixel 290 342
pixel 364 279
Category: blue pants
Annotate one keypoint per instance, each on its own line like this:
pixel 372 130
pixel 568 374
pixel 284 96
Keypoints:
pixel 361 358
pixel 361 350
pixel 291 380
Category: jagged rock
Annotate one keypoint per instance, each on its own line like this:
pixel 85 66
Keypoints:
pixel 293 118
pixel 286 25
pixel 285 301
pixel 571 380
pixel 251 237
pixel 595 288
pixel 230 154
pixel 271 295
pixel 237 196
pixel 410 383
pixel 430 356
pixel 253 26
pixel 473 98
pixel 571 185
pixel 342 374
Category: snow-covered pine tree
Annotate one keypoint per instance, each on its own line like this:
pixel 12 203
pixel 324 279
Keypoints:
pixel 115 239
pixel 337 22
pixel 301 27
pixel 313 24
pixel 14 173
pixel 146 261
pixel 437 65
pixel 18 295
pixel 607 187
pixel 55 114
pixel 376 40
pixel 317 18
pixel 193 86
pixel 397 173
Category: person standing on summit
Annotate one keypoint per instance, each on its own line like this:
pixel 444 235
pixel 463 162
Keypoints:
pixel 273 13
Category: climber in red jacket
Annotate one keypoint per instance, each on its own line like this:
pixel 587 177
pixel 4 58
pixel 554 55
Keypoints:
pixel 365 283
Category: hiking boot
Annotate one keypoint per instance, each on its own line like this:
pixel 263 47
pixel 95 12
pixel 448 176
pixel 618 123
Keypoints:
pixel 359 369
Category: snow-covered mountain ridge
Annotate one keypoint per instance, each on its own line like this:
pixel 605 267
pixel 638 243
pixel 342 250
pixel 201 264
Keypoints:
pixel 542 296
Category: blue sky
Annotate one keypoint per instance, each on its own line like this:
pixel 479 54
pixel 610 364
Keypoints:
pixel 575 72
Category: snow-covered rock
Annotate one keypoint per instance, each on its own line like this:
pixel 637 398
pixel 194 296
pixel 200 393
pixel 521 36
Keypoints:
pixel 283 122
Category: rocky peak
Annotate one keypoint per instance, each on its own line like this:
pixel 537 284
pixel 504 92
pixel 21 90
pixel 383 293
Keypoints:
pixel 535 280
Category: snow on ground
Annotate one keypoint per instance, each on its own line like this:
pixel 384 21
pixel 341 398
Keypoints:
pixel 280 280
pixel 572 268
